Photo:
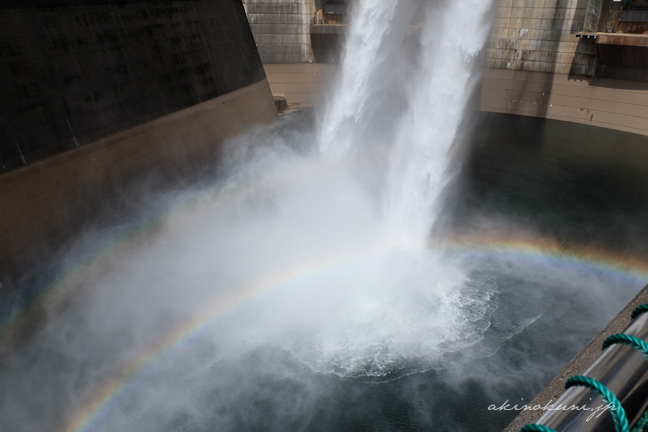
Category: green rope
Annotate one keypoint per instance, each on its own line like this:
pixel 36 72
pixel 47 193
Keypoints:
pixel 642 423
pixel 618 413
pixel 639 345
pixel 639 310
pixel 536 428
pixel 625 339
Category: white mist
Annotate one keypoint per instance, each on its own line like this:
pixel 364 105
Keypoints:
pixel 377 302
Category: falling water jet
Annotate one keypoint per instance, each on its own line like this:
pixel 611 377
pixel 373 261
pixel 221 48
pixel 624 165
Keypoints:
pixel 418 166
pixel 361 65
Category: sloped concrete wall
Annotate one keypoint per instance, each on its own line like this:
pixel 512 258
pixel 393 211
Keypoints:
pixel 281 29
pixel 74 72
pixel 49 202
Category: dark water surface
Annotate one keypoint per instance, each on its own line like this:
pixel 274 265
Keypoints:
pixel 519 177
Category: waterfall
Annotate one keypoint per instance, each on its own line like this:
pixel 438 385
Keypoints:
pixel 438 88
pixel 359 75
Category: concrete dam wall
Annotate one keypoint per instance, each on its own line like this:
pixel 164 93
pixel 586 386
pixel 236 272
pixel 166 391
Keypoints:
pixel 282 29
pixel 75 74
pixel 97 96
pixel 540 63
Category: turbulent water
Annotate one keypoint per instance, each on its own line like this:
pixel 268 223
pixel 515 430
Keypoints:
pixel 314 285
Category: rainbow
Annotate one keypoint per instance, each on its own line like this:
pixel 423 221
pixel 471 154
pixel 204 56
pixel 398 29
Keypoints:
pixel 517 247
pixel 543 249
pixel 587 259
pixel 83 419
pixel 73 275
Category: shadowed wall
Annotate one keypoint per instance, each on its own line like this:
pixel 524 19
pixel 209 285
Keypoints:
pixel 100 99
pixel 72 72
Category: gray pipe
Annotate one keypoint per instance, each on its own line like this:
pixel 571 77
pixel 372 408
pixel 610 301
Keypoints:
pixel 624 371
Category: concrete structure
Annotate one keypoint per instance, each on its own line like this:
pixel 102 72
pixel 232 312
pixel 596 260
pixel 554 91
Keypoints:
pixel 537 65
pixel 74 74
pixel 297 41
pixel 327 41
pixel 282 29
pixel 301 84
pixel 99 98
pixel 298 31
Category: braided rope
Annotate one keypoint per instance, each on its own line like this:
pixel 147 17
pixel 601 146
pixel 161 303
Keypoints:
pixel 536 428
pixel 618 413
pixel 640 346
pixel 639 310
pixel 625 339
pixel 641 424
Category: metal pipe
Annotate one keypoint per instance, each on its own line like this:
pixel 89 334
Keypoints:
pixel 624 371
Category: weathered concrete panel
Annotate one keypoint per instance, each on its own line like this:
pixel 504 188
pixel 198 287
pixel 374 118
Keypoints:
pixel 289 18
pixel 275 8
pixel 536 66
pixel 77 71
pixel 539 36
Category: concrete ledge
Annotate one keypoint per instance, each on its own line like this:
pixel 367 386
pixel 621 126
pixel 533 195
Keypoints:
pixel 281 29
pixel 640 40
